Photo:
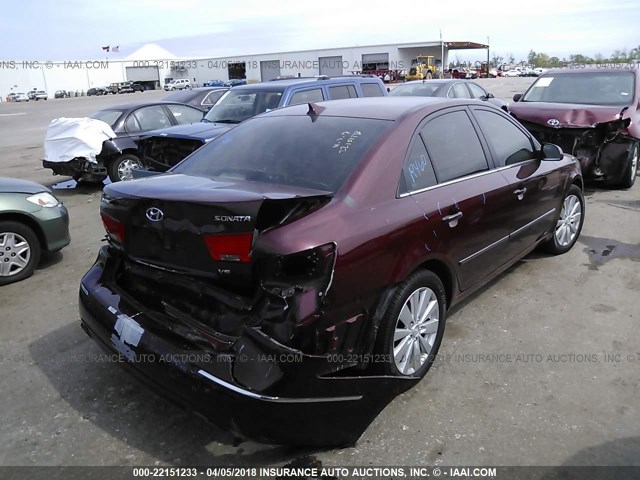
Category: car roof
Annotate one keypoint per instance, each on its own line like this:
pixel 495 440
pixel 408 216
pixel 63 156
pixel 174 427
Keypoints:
pixel 133 106
pixel 283 84
pixel 624 67
pixel 208 89
pixel 381 108
pixel 441 81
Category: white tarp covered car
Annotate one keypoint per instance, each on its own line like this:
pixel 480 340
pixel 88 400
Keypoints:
pixel 68 138
pixel 71 146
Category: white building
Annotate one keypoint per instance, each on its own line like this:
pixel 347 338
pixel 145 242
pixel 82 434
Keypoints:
pixel 155 66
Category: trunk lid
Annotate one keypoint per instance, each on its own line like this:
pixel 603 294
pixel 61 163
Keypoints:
pixel 196 225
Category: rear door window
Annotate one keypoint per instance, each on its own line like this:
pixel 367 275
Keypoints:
pixel 459 90
pixel 152 118
pixel 453 146
pixel 184 114
pixel 371 90
pixel 476 91
pixel 417 173
pixel 342 91
pixel 132 125
pixel 307 96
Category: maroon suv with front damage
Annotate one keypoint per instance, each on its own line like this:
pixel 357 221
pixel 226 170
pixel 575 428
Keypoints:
pixel 291 277
pixel 592 113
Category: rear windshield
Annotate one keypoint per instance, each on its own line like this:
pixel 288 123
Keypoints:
pixel 110 117
pixel 415 90
pixel 287 150
pixel 593 88
pixel 238 105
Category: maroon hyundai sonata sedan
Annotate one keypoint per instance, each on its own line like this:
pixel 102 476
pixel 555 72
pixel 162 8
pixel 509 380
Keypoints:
pixel 291 277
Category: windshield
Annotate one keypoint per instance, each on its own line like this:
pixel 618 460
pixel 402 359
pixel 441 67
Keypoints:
pixel 415 90
pixel 287 150
pixel 238 105
pixel 597 88
pixel 110 117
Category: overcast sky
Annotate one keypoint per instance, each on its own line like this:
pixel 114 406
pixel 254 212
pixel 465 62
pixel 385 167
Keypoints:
pixel 76 29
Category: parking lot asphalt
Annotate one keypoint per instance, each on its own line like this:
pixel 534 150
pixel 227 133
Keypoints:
pixel 541 367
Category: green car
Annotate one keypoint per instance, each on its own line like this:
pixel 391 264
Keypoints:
pixel 32 220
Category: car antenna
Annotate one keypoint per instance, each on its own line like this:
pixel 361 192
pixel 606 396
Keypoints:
pixel 314 110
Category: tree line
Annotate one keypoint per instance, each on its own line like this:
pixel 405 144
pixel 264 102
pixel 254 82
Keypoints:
pixel 542 60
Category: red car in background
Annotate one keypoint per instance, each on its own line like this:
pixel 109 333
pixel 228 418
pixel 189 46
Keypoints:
pixel 461 72
pixel 592 113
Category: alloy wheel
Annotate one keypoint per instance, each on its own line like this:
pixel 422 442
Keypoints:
pixel 569 221
pixel 416 330
pixel 15 254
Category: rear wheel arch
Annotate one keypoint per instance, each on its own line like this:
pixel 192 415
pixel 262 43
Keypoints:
pixel 442 270
pixel 578 182
pixel 130 151
pixel 113 157
pixel 435 266
pixel 411 329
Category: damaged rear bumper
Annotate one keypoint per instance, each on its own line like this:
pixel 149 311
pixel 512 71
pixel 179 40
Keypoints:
pixel 253 386
pixel 75 167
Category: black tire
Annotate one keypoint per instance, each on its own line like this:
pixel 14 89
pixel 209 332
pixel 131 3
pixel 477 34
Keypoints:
pixel 554 245
pixel 631 172
pixel 114 166
pixel 385 341
pixel 35 251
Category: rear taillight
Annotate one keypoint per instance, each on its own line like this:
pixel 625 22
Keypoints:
pixel 114 228
pixel 230 248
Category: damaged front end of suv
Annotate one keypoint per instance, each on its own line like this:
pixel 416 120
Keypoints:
pixel 591 114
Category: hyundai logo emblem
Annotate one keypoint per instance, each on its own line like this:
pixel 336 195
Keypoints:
pixel 554 122
pixel 154 214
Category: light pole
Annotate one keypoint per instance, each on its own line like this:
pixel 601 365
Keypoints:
pixel 488 64
pixel 44 79
pixel 441 54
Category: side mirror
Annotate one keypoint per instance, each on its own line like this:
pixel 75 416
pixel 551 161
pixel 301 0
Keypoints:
pixel 490 95
pixel 517 97
pixel 388 89
pixel 551 152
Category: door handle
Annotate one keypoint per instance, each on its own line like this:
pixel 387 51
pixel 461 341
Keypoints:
pixel 520 193
pixel 452 219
